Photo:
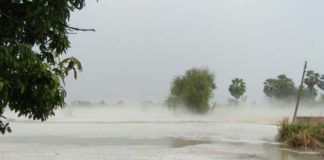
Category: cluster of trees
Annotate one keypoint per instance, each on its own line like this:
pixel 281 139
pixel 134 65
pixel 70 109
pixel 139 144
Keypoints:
pixel 81 103
pixel 283 87
pixel 194 89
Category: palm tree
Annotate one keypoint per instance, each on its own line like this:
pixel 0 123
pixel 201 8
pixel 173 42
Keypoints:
pixel 237 88
pixel 311 81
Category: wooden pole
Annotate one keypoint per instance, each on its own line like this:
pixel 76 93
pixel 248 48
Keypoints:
pixel 299 92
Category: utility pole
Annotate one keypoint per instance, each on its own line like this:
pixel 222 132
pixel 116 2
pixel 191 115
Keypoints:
pixel 300 92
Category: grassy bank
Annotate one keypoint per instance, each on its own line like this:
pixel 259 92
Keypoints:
pixel 302 136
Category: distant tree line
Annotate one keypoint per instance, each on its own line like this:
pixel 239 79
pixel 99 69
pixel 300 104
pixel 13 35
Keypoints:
pixel 100 103
pixel 194 89
pixel 283 88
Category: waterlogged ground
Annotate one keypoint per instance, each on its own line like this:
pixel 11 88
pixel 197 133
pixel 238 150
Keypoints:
pixel 68 137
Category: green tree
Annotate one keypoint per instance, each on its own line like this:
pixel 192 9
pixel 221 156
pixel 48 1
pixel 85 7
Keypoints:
pixel 308 95
pixel 269 87
pixel 312 80
pixel 33 39
pixel 193 90
pixel 321 83
pixel 281 88
pixel 237 89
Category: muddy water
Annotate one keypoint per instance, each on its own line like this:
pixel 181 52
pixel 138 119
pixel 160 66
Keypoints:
pixel 151 140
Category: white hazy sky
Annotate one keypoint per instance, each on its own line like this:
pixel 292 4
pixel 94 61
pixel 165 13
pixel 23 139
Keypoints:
pixel 141 45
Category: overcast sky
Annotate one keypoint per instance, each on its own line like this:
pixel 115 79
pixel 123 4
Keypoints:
pixel 141 45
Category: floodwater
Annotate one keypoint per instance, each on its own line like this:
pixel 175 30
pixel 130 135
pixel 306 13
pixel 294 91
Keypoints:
pixel 106 134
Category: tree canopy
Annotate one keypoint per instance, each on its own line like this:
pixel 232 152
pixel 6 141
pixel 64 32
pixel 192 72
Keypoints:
pixel 321 83
pixel 282 87
pixel 33 38
pixel 312 79
pixel 237 88
pixel 193 90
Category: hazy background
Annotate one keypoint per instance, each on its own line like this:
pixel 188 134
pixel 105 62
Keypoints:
pixel 141 45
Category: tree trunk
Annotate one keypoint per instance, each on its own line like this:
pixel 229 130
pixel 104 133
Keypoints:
pixel 236 102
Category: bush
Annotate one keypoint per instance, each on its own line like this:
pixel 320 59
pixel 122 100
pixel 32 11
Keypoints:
pixel 302 135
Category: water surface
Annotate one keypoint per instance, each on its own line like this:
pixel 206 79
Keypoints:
pixel 152 133
pixel 179 140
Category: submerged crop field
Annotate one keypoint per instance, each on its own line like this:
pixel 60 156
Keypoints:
pixel 161 80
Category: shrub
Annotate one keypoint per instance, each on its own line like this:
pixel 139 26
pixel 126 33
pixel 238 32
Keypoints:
pixel 301 135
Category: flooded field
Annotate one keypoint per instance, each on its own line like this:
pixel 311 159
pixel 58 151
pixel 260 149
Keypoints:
pixel 161 79
pixel 71 137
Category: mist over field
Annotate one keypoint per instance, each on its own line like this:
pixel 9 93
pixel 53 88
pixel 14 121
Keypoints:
pixel 152 132
pixel 195 79
pixel 257 113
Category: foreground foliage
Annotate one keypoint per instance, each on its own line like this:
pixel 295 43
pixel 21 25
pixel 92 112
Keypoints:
pixel 33 37
pixel 302 136
pixel 193 90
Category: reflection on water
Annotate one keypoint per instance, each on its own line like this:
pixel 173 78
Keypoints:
pixel 62 140
pixel 178 142
pixel 293 155
pixel 285 154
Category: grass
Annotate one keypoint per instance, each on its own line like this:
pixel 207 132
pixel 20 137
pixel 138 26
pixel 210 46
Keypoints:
pixel 302 136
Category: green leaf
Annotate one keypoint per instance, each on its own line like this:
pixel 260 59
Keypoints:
pixel 22 89
pixel 1 86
